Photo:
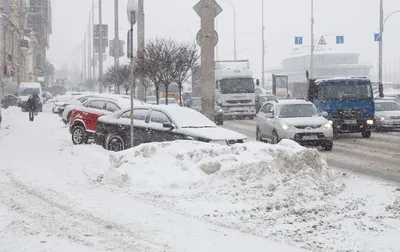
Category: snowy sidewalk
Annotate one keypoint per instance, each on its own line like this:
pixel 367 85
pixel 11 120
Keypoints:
pixel 51 199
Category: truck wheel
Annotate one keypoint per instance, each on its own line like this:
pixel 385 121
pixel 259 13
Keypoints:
pixel 366 134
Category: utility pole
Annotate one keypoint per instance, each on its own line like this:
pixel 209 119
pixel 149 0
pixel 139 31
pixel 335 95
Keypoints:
pixel 263 46
pixel 101 46
pixel 84 57
pixel 141 44
pixel 312 41
pixel 89 50
pixel 380 48
pixel 93 48
pixel 116 38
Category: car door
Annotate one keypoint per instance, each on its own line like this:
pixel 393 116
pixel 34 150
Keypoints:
pixel 270 120
pixel 141 131
pixel 158 132
pixel 92 112
pixel 262 119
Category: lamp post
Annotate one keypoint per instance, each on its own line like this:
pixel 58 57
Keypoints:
pixel 234 28
pixel 312 41
pixel 382 23
pixel 131 11
pixel 263 45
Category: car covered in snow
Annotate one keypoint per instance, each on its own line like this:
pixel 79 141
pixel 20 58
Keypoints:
pixel 387 114
pixel 83 119
pixel 60 102
pixel 9 100
pixel 294 119
pixel 159 123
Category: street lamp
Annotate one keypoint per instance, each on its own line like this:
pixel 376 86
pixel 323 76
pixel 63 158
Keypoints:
pixel 382 23
pixel 312 41
pixel 234 28
pixel 131 11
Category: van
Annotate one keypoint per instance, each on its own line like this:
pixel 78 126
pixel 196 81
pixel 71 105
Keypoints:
pixel 26 89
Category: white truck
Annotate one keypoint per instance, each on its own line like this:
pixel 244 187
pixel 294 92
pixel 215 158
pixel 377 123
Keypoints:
pixel 235 88
pixel 26 89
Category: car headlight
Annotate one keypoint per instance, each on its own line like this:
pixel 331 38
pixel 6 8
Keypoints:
pixel 370 122
pixel 287 127
pixel 383 118
pixel 221 142
pixel 328 125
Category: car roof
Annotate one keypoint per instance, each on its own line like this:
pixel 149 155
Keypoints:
pixel 385 100
pixel 290 101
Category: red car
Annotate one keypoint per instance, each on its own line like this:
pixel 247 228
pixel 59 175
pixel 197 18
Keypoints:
pixel 82 125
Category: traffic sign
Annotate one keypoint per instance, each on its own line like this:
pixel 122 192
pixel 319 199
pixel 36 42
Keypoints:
pixel 104 31
pixel 322 41
pixel 201 36
pixel 298 40
pixel 339 39
pixel 378 37
pixel 198 8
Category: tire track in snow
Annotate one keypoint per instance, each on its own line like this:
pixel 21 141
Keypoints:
pixel 66 220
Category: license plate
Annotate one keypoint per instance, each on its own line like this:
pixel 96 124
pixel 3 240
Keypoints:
pixel 313 137
pixel 350 121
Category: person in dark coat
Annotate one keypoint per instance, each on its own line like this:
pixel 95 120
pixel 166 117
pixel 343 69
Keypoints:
pixel 31 106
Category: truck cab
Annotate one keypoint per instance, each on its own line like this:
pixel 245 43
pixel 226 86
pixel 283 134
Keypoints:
pixel 347 102
pixel 235 88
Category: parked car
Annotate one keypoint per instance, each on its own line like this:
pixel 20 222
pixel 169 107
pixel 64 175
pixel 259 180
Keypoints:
pixel 171 102
pixel 261 98
pixel 151 100
pixel 387 113
pixel 195 103
pixel 158 124
pixel 9 101
pixel 61 101
pixel 82 125
pixel 294 119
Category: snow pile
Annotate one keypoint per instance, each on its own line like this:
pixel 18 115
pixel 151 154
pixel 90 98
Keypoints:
pixel 284 176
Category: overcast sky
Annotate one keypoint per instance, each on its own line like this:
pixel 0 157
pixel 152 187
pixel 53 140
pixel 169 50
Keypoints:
pixel 357 20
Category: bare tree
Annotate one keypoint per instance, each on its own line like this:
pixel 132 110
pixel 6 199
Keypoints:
pixel 126 77
pixel 106 81
pixel 186 59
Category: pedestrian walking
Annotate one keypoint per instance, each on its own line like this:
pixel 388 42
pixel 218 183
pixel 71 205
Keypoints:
pixel 31 106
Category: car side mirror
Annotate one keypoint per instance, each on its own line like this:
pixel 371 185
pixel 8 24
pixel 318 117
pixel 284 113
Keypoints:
pixel 168 125
pixel 325 114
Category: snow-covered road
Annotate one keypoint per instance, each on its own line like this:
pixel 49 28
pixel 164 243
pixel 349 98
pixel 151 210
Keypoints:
pixel 378 157
pixel 52 199
pixel 58 197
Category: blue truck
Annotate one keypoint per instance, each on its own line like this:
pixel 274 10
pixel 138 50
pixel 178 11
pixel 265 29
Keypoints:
pixel 347 102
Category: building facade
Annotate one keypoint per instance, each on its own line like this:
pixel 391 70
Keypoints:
pixel 25 27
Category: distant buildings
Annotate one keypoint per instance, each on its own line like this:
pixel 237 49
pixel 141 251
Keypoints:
pixel 25 28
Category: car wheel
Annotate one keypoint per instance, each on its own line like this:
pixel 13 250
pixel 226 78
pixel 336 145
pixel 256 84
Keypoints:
pixel 328 146
pixel 79 135
pixel 275 138
pixel 115 143
pixel 366 134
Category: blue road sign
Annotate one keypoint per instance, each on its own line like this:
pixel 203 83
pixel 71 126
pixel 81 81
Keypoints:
pixel 298 40
pixel 339 39
pixel 378 37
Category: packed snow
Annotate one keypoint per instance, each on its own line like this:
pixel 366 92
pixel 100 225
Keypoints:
pixel 182 196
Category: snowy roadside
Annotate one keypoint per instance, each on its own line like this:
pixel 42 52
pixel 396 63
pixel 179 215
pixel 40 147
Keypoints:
pixel 157 197
pixel 53 198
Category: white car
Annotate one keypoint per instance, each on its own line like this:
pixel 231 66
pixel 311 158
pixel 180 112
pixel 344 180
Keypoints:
pixel 387 113
pixel 294 119
pixel 60 101
pixel 171 102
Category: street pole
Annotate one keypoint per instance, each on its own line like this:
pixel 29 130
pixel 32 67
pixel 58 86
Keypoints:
pixel 116 37
pixel 100 46
pixel 234 33
pixel 216 47
pixel 141 44
pixel 380 48
pixel 263 46
pixel 312 41
pixel 93 59
pixel 132 10
pixel 207 59
pixel 90 49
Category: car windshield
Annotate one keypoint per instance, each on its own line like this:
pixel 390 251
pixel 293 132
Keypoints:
pixel 297 110
pixel 387 106
pixel 237 86
pixel 348 91
pixel 189 118
pixel 29 91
